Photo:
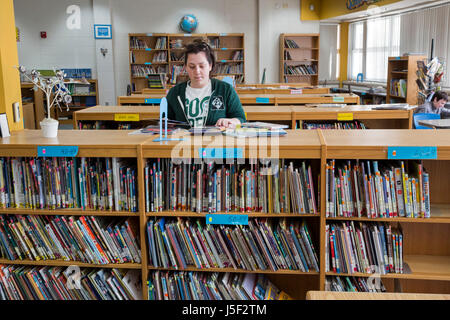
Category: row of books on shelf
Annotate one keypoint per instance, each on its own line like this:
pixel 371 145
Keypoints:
pixel 237 55
pixel 363 248
pixel 228 68
pixel 81 89
pixel 377 190
pixel 156 80
pixel 144 70
pixel 262 245
pixel 177 70
pixel 58 283
pixel 302 69
pixel 398 87
pixel 88 239
pixel 209 187
pixel 136 43
pixel 176 57
pixel 159 57
pixel 179 285
pixel 57 183
pixel 353 284
pixel 334 125
pixel 88 101
pixel 161 43
pixel 290 44
pixel 77 73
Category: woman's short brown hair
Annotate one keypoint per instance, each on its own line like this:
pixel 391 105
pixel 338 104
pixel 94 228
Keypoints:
pixel 199 45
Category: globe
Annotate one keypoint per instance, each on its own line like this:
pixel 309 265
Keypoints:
pixel 188 23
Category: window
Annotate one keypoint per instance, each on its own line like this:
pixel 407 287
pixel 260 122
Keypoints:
pixel 371 42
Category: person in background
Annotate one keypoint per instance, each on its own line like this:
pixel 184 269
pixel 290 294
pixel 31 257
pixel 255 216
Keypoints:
pixel 436 105
pixel 202 101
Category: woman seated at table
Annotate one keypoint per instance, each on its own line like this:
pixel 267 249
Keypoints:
pixel 435 105
pixel 202 101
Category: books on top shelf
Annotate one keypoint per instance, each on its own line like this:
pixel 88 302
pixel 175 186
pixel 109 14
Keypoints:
pixel 398 87
pixel 57 283
pixel 363 248
pixel 377 189
pixel 209 187
pixel 58 183
pixel 290 44
pixel 179 285
pixel 88 239
pixel 264 244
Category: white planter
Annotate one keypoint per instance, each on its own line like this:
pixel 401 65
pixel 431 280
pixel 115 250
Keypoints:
pixel 49 127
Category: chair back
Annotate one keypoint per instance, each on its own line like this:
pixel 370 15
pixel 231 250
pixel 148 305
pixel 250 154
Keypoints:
pixel 424 116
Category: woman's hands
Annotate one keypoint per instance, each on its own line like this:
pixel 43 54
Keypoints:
pixel 228 122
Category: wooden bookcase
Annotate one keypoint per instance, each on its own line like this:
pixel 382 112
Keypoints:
pixel 163 53
pixel 83 96
pixel 402 70
pixel 36 98
pixel 426 241
pixel 299 58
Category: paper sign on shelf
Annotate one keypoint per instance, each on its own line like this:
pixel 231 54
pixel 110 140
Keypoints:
pixel 126 117
pixel 234 219
pixel 57 151
pixel 220 153
pixel 297 91
pixel 410 153
pixel 345 116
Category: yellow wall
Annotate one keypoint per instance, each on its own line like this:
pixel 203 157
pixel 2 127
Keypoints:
pixel 306 13
pixel 343 52
pixel 335 8
pixel 9 76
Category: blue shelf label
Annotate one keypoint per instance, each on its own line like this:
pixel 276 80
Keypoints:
pixel 224 48
pixel 262 100
pixel 148 49
pixel 149 34
pixel 397 58
pixel 220 153
pixel 148 63
pixel 363 93
pixel 152 100
pixel 418 153
pixel 223 34
pixel 223 60
pixel 234 219
pixel 57 151
pixel 338 99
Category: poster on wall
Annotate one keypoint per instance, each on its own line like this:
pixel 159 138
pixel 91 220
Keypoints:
pixel 102 31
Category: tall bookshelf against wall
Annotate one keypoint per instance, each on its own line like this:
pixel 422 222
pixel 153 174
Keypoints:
pixel 299 58
pixel 162 53
pixel 401 79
